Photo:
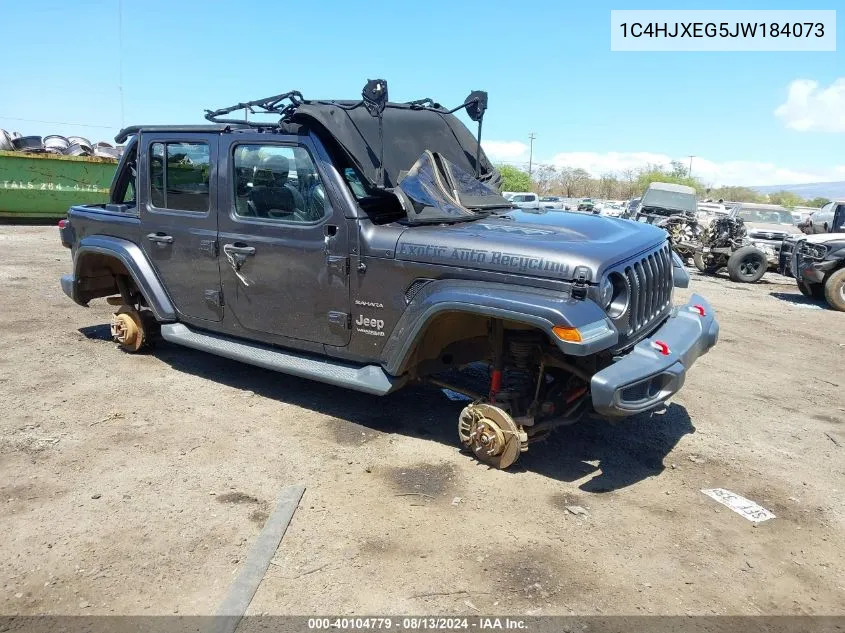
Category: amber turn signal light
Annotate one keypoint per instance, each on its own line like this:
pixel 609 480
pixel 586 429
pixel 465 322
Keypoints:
pixel 570 334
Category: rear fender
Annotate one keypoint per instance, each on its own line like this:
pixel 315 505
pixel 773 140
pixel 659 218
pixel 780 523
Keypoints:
pixel 542 309
pixel 85 287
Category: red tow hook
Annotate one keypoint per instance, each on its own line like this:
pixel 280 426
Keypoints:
pixel 699 309
pixel 661 347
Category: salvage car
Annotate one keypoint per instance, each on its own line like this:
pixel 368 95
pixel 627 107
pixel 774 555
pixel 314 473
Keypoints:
pixel 665 199
pixel 724 243
pixel 551 202
pixel 817 262
pixel 766 226
pixel 829 219
pixel 364 244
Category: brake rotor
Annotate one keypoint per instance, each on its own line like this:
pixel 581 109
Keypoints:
pixel 491 434
pixel 127 329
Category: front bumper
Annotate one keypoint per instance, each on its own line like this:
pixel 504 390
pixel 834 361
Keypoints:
pixel 807 269
pixel 814 271
pixel 646 376
pixel 771 248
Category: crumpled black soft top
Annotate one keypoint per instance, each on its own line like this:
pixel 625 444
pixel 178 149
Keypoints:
pixel 408 132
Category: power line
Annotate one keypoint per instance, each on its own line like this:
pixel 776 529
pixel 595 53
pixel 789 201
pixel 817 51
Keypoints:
pixel 13 118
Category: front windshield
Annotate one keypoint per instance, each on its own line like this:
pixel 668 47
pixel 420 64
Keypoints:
pixel 439 191
pixel 766 216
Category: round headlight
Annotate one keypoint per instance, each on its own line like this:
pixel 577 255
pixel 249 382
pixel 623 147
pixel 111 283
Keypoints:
pixel 606 292
pixel 619 295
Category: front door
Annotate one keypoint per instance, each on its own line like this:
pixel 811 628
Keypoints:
pixel 178 202
pixel 283 243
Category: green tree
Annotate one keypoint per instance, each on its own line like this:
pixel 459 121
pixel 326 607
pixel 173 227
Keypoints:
pixel 817 202
pixel 658 174
pixel 735 194
pixel 514 179
pixel 786 199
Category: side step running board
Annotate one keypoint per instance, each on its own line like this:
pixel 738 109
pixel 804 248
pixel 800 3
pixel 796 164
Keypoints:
pixel 369 378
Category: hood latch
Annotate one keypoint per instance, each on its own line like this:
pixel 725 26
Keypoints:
pixel 579 288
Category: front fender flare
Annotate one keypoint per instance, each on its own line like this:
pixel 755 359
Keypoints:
pixel 543 309
pixel 136 262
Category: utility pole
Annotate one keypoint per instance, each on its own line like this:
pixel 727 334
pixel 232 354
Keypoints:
pixel 531 138
pixel 689 173
pixel 120 60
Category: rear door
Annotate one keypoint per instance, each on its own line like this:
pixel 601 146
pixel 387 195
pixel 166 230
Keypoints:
pixel 283 242
pixel 178 200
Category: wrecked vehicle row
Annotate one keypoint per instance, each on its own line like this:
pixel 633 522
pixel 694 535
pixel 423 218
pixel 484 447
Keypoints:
pixel 365 244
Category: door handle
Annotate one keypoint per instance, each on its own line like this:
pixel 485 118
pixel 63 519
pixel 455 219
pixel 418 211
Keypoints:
pixel 160 238
pixel 238 249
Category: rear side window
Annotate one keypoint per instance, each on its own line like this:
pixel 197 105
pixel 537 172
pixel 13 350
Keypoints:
pixel 179 176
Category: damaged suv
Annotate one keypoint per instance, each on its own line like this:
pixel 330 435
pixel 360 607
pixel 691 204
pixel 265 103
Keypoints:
pixel 364 244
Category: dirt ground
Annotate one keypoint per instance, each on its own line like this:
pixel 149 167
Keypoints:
pixel 137 484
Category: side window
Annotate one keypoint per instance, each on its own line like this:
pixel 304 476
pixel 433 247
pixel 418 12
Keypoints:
pixel 179 176
pixel 276 182
pixel 518 199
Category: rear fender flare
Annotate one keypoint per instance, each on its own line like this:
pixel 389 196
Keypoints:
pixel 136 262
pixel 543 309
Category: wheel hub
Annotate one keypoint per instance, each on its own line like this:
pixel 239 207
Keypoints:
pixel 127 329
pixel 491 434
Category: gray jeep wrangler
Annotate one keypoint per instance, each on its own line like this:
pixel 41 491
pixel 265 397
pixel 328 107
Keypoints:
pixel 364 244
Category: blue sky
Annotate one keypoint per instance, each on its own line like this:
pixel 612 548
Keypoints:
pixel 547 66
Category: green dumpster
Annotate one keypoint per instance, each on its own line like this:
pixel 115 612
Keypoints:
pixel 46 185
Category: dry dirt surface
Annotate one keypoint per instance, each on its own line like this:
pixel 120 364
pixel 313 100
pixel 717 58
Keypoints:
pixel 136 484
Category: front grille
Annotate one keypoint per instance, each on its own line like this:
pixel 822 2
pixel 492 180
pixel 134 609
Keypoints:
pixel 650 281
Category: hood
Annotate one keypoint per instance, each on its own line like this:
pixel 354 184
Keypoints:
pixel 761 227
pixel 822 238
pixel 549 244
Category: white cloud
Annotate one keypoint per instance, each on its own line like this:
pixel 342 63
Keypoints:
pixel 810 108
pixel 714 173
pixel 505 150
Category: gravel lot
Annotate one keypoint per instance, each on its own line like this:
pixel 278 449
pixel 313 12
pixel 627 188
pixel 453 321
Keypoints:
pixel 137 484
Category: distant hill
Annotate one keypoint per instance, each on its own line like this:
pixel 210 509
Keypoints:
pixel 830 190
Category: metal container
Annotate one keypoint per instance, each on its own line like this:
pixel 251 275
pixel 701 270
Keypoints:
pixel 28 144
pixel 55 143
pixel 44 185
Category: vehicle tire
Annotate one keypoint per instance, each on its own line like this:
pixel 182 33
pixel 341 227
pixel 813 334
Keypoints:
pixel 702 265
pixel 813 291
pixel 747 265
pixel 834 290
